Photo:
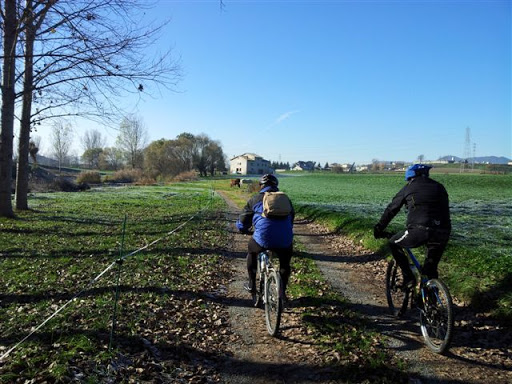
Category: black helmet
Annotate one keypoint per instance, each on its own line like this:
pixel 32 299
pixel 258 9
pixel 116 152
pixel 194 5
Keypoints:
pixel 269 179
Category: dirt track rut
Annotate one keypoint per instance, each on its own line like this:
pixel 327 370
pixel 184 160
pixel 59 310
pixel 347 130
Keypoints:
pixel 358 275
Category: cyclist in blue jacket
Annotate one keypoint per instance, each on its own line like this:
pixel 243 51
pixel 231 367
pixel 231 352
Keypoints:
pixel 269 233
pixel 428 221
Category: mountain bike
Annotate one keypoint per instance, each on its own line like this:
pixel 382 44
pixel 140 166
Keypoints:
pixel 430 296
pixel 269 290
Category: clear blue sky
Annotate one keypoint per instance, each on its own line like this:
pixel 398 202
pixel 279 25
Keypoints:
pixel 339 81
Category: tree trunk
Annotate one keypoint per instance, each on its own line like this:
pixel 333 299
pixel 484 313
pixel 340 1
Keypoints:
pixel 22 173
pixel 8 98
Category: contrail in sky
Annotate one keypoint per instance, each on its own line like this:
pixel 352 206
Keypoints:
pixel 251 141
pixel 281 118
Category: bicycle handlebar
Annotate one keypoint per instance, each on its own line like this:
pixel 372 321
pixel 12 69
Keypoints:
pixel 387 235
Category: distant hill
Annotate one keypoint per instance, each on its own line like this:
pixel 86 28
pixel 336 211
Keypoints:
pixel 479 159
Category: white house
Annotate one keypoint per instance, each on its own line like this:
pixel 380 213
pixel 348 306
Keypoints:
pixel 303 166
pixel 249 164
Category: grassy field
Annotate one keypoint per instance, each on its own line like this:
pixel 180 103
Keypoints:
pixel 149 260
pixel 52 257
pixel 477 264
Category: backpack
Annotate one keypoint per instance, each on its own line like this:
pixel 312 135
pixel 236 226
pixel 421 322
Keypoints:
pixel 276 205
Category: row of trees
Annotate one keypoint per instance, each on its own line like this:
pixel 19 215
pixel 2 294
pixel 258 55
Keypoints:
pixel 160 159
pixel 279 165
pixel 70 58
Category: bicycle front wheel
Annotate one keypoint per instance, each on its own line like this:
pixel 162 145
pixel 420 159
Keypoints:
pixel 396 294
pixel 273 302
pixel 436 317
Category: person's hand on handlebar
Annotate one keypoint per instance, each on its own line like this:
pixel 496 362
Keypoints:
pixel 378 232
pixel 245 231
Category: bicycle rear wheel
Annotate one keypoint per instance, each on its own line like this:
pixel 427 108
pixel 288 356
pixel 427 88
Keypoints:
pixel 396 294
pixel 436 318
pixel 273 302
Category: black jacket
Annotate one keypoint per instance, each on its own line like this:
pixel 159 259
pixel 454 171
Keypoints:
pixel 427 204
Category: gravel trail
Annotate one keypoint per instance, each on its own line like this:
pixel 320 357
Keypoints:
pixel 481 351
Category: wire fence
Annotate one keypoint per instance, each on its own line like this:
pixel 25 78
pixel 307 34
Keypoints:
pixel 119 261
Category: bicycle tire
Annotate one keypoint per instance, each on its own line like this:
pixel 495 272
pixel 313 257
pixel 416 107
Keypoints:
pixel 436 316
pixel 273 302
pixel 396 295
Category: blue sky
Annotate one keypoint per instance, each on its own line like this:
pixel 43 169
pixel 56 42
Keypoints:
pixel 338 81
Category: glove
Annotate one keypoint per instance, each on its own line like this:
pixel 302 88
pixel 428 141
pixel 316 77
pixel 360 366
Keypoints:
pixel 245 231
pixel 378 231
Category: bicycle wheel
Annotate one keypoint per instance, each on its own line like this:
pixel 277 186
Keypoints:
pixel 396 295
pixel 436 317
pixel 273 302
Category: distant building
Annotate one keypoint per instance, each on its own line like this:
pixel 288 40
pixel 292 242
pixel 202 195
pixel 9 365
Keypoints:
pixel 249 164
pixel 303 166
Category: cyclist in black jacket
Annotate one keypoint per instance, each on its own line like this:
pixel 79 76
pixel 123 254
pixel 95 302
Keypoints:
pixel 428 221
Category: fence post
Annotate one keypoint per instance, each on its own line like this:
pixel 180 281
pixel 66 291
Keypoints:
pixel 120 263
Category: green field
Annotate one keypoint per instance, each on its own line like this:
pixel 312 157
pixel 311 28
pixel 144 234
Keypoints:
pixel 57 249
pixel 73 264
pixel 59 254
pixel 478 262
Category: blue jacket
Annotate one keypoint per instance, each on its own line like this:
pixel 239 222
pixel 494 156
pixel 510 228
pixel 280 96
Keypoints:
pixel 268 232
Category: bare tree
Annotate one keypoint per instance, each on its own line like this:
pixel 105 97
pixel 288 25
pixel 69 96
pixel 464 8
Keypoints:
pixel 10 34
pixel 132 140
pixel 92 139
pixel 110 158
pixel 92 143
pixel 80 56
pixel 61 141
pixel 30 21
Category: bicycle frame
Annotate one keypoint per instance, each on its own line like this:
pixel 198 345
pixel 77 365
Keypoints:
pixel 413 258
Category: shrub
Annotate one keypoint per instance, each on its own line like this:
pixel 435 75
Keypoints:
pixel 66 185
pixel 186 176
pixel 146 180
pixel 90 177
pixel 125 176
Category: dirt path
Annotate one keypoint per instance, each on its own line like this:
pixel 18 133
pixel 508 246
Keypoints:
pixel 481 351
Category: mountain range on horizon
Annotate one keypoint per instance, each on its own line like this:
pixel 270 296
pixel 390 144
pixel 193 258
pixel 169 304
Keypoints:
pixel 478 159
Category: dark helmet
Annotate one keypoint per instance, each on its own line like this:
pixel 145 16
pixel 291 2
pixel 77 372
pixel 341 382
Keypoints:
pixel 417 170
pixel 269 179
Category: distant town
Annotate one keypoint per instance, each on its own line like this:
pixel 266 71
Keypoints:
pixel 251 163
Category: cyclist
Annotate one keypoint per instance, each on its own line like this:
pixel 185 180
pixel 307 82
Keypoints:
pixel 269 233
pixel 428 221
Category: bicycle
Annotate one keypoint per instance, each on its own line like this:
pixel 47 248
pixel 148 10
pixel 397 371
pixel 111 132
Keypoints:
pixel 431 297
pixel 269 291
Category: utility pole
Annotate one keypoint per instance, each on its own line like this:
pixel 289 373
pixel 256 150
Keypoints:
pixel 467 151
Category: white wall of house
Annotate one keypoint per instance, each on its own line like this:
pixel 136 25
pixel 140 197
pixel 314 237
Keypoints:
pixel 249 164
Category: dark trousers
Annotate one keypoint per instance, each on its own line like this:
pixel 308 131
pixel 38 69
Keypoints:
pixel 434 240
pixel 284 255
